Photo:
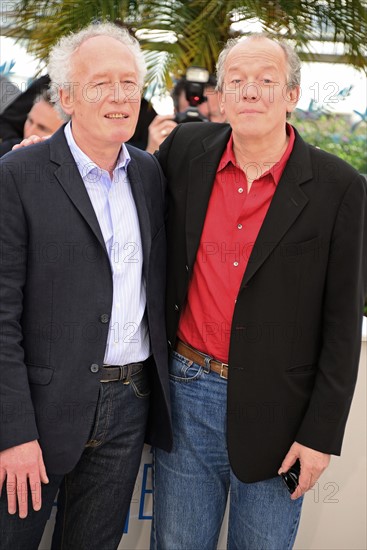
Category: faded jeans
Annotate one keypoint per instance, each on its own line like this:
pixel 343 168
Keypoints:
pixel 192 483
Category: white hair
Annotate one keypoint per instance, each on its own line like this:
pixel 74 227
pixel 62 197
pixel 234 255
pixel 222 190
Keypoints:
pixel 60 66
pixel 292 59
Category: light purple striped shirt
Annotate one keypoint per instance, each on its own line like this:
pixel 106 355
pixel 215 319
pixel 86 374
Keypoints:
pixel 113 203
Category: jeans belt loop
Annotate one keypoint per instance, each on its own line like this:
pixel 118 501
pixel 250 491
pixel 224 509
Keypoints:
pixel 206 367
pixel 206 361
pixel 128 375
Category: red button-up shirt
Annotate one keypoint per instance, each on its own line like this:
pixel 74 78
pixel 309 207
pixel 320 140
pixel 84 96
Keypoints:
pixel 233 221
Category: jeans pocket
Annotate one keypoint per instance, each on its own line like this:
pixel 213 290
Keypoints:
pixel 184 370
pixel 92 441
pixel 140 383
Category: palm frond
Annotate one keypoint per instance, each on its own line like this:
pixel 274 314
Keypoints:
pixel 177 33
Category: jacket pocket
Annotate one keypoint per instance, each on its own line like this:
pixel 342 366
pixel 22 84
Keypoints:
pixel 301 369
pixel 300 248
pixel 40 374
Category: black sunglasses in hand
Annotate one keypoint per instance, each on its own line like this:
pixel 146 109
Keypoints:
pixel 291 477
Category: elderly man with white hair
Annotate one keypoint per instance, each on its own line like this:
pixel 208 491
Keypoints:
pixel 83 364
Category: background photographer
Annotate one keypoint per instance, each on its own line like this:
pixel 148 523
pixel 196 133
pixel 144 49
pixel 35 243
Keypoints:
pixel 207 109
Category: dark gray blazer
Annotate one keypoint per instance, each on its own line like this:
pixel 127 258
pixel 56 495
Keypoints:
pixel 56 299
pixel 296 330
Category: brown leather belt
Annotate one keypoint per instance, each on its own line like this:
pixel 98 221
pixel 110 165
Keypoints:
pixel 199 358
pixel 117 373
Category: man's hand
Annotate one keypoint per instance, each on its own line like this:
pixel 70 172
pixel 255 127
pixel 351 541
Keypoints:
pixel 18 465
pixel 30 141
pixel 313 463
pixel 159 128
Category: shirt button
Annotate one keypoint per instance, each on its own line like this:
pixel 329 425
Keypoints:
pixel 239 226
pixel 235 264
pixel 176 307
pixel 104 318
pixel 186 267
pixel 94 367
pixel 240 190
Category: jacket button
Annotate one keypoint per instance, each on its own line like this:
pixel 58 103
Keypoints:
pixel 104 318
pixel 169 343
pixel 186 267
pixel 94 367
pixel 176 307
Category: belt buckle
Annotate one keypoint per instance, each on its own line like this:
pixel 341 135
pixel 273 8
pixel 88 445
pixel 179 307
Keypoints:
pixel 223 366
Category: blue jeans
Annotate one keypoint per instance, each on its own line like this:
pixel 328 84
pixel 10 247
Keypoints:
pixel 94 497
pixel 192 483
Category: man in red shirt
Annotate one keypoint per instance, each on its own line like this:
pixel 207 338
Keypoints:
pixel 265 289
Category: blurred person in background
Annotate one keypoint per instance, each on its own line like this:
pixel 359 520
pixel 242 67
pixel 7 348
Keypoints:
pixel 42 120
pixel 12 119
pixel 209 110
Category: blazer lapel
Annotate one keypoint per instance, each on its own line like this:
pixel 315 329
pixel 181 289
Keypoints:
pixel 142 210
pixel 202 173
pixel 69 178
pixel 288 202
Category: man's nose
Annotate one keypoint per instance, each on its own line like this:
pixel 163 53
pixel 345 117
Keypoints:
pixel 251 91
pixel 30 129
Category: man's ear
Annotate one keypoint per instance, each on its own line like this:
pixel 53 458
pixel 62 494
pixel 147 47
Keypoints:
pixel 292 95
pixel 66 98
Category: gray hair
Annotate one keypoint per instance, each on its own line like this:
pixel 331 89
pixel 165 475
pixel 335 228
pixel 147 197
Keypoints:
pixel 60 64
pixel 45 96
pixel 293 61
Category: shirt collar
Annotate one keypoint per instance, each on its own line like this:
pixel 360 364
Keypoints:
pixel 275 171
pixel 84 163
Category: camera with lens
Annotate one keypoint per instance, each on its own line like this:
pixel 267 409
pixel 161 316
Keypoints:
pixel 194 85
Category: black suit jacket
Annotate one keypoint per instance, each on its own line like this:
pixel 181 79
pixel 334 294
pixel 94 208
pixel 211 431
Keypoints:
pixel 56 299
pixel 296 329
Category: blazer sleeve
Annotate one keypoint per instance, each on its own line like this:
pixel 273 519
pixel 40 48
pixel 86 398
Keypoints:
pixel 17 420
pixel 345 290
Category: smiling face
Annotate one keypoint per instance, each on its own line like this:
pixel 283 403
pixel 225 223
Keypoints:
pixel 255 97
pixel 104 99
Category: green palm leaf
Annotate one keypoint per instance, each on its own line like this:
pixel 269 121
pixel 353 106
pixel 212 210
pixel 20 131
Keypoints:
pixel 176 34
